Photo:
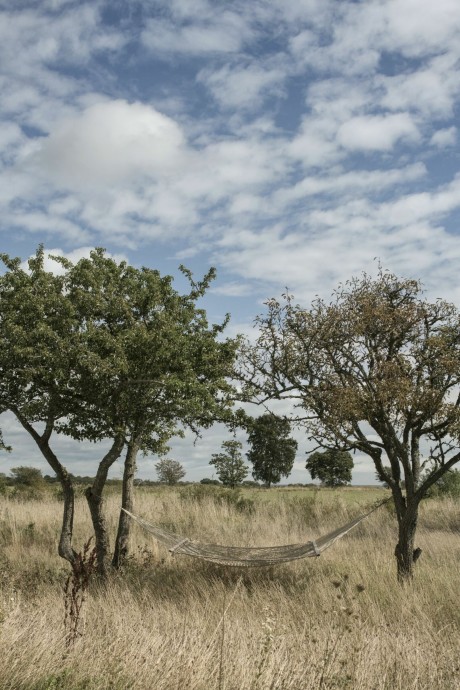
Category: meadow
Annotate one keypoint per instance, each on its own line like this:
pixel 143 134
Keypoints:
pixel 164 622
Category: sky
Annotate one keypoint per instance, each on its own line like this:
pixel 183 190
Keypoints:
pixel 288 143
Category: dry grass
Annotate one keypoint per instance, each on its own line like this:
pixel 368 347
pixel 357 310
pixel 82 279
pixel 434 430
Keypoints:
pixel 339 621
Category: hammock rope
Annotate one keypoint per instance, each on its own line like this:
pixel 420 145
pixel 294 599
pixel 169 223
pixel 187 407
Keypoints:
pixel 250 556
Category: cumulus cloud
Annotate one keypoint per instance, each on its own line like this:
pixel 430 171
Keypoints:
pixel 444 138
pixel 110 142
pixel 377 132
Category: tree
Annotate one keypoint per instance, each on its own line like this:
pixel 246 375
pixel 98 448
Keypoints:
pixel 161 366
pixel 229 465
pixel 376 370
pixel 169 471
pixel 332 467
pixel 38 337
pixel 28 476
pixel 447 486
pixel 272 452
pixel 28 482
pixel 108 351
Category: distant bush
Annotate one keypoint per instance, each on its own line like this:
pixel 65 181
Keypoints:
pixel 28 483
pixel 3 483
pixel 27 476
pixel 219 495
pixel 447 486
pixel 209 482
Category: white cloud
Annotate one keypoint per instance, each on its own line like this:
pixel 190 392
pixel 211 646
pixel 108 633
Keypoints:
pixel 419 27
pixel 211 32
pixel 444 138
pixel 349 183
pixel 243 87
pixel 233 289
pixel 431 90
pixel 110 142
pixel 377 132
pixel 70 36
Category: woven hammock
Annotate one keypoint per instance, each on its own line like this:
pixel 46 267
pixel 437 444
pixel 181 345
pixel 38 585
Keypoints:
pixel 252 556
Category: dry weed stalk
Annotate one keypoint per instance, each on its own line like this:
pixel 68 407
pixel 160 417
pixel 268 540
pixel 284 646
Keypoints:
pixel 75 587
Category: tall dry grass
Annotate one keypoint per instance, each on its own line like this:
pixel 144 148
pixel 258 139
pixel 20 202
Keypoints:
pixel 339 621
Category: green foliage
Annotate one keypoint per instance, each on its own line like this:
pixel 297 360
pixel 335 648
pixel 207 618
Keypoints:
pixel 199 493
pixel 229 465
pixel 169 471
pixel 211 482
pixel 332 467
pixel 27 476
pixel 447 486
pixel 105 347
pixel 105 350
pixel 154 358
pixel 28 483
pixel 3 483
pixel 272 451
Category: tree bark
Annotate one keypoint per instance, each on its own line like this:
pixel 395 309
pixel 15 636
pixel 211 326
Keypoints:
pixel 65 548
pixel 127 502
pixel 96 506
pixel 406 554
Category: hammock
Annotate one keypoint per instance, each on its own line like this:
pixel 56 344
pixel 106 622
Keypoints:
pixel 251 556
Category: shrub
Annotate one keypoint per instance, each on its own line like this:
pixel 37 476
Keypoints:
pixel 447 486
pixel 219 495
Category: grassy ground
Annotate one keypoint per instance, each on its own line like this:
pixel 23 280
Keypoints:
pixel 163 623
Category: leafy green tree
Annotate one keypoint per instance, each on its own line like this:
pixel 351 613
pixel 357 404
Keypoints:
pixel 332 467
pixel 272 451
pixel 158 364
pixel 447 486
pixel 107 351
pixel 376 370
pixel 38 337
pixel 169 471
pixel 28 476
pixel 229 464
pixel 28 482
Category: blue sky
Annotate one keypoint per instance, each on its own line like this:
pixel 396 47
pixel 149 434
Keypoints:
pixel 286 143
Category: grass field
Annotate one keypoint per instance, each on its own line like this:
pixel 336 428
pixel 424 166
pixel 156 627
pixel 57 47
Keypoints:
pixel 163 623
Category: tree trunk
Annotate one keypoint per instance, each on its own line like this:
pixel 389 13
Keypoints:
pixel 65 548
pixel 96 506
pixel 127 502
pixel 406 555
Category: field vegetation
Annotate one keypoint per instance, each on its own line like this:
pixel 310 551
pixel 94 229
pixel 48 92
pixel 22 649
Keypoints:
pixel 163 622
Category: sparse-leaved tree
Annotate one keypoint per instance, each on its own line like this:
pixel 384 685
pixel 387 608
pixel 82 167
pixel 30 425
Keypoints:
pixel 376 370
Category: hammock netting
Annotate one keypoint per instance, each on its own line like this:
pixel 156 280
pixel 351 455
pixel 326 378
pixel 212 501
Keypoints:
pixel 251 556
